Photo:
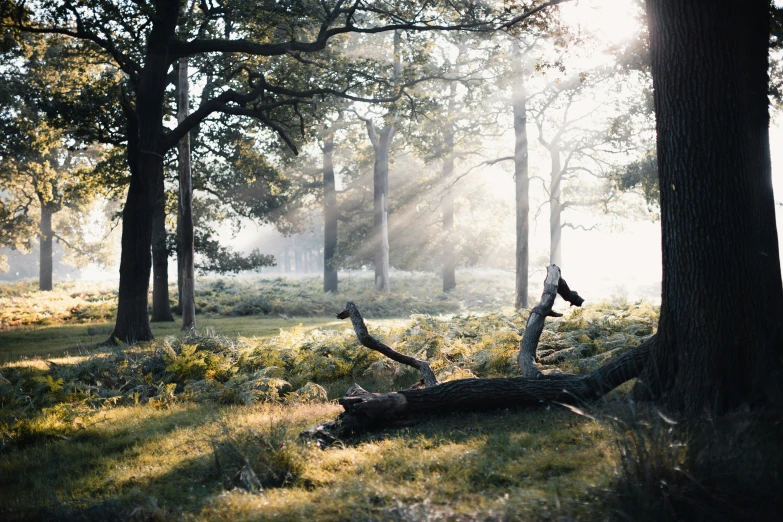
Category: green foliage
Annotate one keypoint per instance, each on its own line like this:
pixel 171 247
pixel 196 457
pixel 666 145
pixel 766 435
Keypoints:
pixel 187 421
pixel 301 365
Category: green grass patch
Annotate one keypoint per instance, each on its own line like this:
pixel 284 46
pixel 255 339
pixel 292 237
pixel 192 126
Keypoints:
pixel 75 339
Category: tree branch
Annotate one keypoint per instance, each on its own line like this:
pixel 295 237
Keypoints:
pixel 370 342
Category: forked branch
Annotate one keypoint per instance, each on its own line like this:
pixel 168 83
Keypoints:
pixel 370 342
pixel 553 285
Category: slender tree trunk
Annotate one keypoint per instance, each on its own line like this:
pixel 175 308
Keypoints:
pixel 299 257
pixel 449 257
pixel 555 209
pixel 522 184
pixel 287 259
pixel 330 216
pixel 185 235
pixel 381 213
pixel 161 307
pixel 714 352
pixel 45 240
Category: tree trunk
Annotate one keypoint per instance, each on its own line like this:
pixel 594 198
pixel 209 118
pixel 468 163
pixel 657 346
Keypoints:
pixel 555 209
pixel 522 184
pixel 46 265
pixel 330 216
pixel 145 160
pixel 364 410
pixel 136 259
pixel 449 257
pixel 299 257
pixel 714 353
pixel 286 259
pixel 185 235
pixel 161 308
pixel 380 203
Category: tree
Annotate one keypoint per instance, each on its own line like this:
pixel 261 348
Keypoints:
pixel 186 278
pixel 717 209
pixel 381 140
pixel 261 42
pixel 330 213
pixel 49 181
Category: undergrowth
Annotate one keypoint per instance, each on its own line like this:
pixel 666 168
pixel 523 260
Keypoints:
pixel 21 304
pixel 729 469
pixel 204 426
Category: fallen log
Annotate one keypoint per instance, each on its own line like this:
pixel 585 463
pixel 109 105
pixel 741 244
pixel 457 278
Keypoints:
pixel 365 410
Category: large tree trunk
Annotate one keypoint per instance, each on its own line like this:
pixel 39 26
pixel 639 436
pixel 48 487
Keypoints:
pixel 161 307
pixel 145 159
pixel 45 240
pixel 522 184
pixel 555 208
pixel 136 259
pixel 330 216
pixel 714 352
pixel 380 205
pixel 185 235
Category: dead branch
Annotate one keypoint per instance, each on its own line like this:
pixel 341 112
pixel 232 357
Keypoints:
pixel 365 410
pixel 370 342
pixel 553 285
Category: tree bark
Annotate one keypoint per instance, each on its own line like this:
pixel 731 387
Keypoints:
pixel 553 285
pixel 709 66
pixel 555 208
pixel 185 234
pixel 145 160
pixel 364 337
pixel 449 257
pixel 330 216
pixel 521 183
pixel 161 307
pixel 45 240
pixel 381 213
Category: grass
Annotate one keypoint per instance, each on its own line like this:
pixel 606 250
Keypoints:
pixel 527 464
pixel 205 426
pixel 73 339
pixel 21 304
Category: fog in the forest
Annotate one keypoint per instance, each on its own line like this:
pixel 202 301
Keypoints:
pixel 610 237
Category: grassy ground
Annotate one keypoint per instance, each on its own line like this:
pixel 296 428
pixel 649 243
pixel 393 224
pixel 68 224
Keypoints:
pixel 205 426
pixel 75 339
pixel 183 462
pixel 21 304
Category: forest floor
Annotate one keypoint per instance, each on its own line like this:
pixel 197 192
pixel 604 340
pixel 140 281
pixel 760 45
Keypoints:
pixel 204 426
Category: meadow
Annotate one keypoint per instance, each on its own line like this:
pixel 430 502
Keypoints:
pixel 205 425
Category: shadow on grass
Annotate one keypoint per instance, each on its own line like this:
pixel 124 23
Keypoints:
pixel 65 479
